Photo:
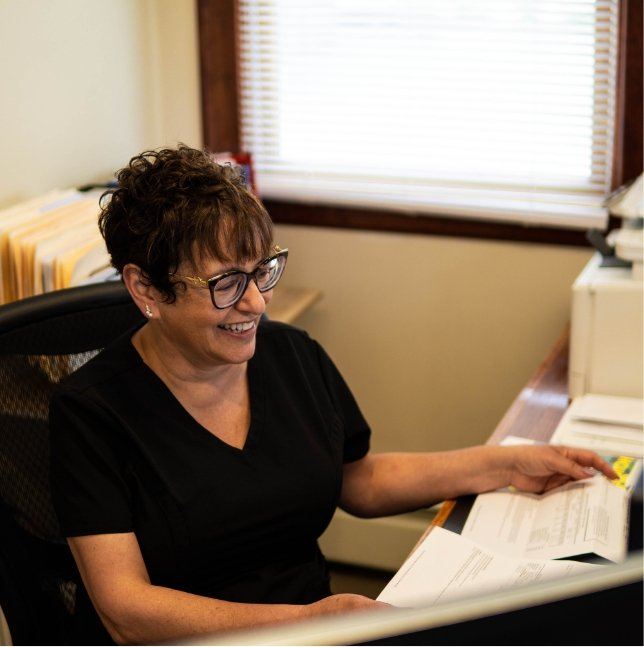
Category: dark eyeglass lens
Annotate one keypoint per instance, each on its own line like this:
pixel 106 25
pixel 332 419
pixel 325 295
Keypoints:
pixel 269 273
pixel 228 290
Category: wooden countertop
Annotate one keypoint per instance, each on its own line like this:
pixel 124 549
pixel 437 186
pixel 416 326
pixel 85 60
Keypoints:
pixel 289 303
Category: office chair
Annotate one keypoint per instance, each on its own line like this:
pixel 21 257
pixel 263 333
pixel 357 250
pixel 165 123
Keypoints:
pixel 43 339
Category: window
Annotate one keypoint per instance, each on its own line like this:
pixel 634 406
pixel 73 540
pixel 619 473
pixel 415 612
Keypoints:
pixel 493 109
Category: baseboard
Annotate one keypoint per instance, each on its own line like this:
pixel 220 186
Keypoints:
pixel 374 543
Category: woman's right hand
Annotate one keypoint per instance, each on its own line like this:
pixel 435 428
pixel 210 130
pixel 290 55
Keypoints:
pixel 341 603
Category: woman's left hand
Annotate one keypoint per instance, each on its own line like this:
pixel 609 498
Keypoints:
pixel 544 467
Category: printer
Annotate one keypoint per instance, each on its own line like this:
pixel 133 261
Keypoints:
pixel 606 325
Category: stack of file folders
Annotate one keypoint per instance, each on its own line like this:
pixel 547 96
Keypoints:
pixel 51 242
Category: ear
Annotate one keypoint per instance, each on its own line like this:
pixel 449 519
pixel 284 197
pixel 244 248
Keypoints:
pixel 143 294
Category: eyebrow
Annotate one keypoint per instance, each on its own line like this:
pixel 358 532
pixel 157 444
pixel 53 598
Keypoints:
pixel 234 268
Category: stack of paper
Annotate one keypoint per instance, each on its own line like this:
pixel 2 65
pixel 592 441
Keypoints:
pixel 50 242
pixel 603 423
pixel 447 567
pixel 581 517
pixel 513 538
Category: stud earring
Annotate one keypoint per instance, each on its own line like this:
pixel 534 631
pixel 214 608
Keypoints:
pixel 148 312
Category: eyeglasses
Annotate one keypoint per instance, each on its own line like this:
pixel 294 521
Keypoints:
pixel 229 287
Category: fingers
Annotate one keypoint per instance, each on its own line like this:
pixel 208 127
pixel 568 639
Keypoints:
pixel 564 465
pixel 589 460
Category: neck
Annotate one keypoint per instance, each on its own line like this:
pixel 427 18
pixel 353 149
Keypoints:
pixel 178 369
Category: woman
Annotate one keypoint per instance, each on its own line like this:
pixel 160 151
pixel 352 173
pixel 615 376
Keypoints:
pixel 196 461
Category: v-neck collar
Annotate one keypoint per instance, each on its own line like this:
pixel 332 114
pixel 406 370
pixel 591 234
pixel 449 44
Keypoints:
pixel 256 396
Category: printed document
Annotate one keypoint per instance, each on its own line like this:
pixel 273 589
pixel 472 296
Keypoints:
pixel 603 423
pixel 447 566
pixel 581 517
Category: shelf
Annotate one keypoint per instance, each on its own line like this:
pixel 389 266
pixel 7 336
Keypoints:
pixel 289 303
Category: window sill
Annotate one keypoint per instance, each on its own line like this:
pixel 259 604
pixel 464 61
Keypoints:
pixel 318 215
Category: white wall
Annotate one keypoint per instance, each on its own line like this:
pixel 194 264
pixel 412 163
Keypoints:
pixel 436 336
pixel 175 64
pixel 86 84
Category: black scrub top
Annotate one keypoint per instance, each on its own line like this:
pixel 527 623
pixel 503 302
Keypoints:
pixel 234 524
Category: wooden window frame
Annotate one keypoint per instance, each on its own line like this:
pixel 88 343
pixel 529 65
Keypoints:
pixel 218 52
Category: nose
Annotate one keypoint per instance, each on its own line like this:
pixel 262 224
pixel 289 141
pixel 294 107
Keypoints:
pixel 252 300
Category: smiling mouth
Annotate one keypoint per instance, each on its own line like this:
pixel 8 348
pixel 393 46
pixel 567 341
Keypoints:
pixel 238 328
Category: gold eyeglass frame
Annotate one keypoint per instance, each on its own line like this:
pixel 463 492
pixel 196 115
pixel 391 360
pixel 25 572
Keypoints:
pixel 210 283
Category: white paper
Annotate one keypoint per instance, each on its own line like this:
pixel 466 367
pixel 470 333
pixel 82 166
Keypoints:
pixel 106 274
pixel 620 411
pixel 581 517
pixel 518 440
pixel 447 567
pixel 605 424
pixel 598 441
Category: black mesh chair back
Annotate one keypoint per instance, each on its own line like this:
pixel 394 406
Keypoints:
pixel 42 340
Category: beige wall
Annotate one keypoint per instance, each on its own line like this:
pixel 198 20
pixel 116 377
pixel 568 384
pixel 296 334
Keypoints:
pixel 436 336
pixel 175 62
pixel 86 84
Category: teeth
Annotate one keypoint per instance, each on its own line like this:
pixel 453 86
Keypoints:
pixel 238 327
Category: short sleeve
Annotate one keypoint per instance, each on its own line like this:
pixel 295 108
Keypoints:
pixel 88 485
pixel 357 433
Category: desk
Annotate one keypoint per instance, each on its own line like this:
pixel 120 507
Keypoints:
pixel 535 412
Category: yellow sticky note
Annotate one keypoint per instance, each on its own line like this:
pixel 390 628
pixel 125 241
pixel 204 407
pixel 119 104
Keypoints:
pixel 623 465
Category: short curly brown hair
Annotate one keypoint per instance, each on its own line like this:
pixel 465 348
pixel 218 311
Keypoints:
pixel 176 205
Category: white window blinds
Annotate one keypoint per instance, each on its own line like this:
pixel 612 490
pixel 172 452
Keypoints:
pixel 495 109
